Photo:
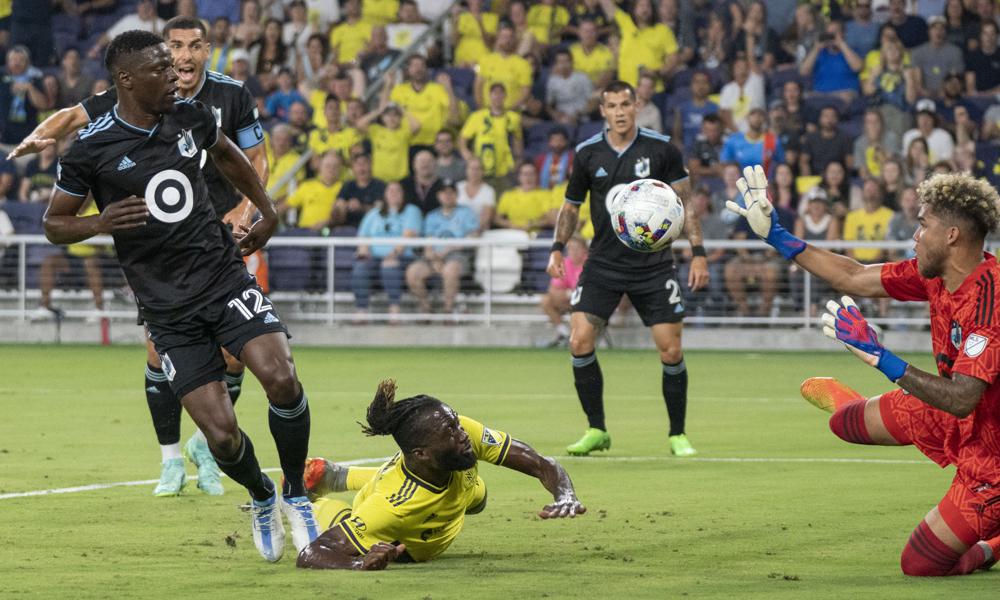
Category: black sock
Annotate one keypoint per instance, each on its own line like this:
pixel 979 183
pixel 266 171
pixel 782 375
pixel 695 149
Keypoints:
pixel 675 395
pixel 590 388
pixel 234 385
pixel 290 430
pixel 164 407
pixel 244 470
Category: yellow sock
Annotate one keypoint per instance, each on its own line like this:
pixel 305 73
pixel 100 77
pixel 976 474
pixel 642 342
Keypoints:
pixel 357 477
pixel 330 511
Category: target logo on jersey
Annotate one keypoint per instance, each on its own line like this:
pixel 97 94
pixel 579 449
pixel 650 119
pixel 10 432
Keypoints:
pixel 169 196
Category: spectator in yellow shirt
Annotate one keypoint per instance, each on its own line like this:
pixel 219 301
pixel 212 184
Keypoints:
pixel 494 135
pixel 592 58
pixel 645 44
pixel 379 12
pixel 315 197
pixel 432 103
pixel 473 31
pixel 503 66
pixel 281 159
pixel 350 37
pixel 333 136
pixel 527 206
pixel 390 141
pixel 546 21
pixel 871 222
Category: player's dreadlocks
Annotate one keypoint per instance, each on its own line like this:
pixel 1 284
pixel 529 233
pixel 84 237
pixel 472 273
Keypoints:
pixel 398 419
pixel 963 197
pixel 127 43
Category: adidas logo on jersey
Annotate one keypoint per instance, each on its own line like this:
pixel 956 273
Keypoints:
pixel 126 163
pixel 270 318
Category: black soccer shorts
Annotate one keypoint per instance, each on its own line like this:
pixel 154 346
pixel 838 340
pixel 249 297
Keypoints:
pixel 189 348
pixel 656 294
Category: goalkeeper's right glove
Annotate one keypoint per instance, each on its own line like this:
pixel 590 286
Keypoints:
pixel 761 215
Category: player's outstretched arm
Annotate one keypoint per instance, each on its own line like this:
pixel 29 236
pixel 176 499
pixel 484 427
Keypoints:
pixel 332 550
pixel 59 125
pixel 842 273
pixel 522 457
pixel 238 170
pixel 569 216
pixel 63 226
pixel 958 395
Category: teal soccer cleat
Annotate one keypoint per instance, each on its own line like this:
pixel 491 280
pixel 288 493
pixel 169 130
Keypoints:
pixel 172 478
pixel 209 478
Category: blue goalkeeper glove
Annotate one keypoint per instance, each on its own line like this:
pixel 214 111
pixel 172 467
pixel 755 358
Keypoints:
pixel 759 213
pixel 846 324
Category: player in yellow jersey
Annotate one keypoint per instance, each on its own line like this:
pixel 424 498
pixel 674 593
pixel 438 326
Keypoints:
pixel 413 507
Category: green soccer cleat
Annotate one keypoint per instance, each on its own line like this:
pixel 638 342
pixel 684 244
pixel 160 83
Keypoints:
pixel 172 478
pixel 209 478
pixel 593 439
pixel 681 447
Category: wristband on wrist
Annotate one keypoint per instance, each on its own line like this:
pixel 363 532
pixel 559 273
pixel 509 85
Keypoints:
pixel 558 246
pixel 698 250
pixel 891 366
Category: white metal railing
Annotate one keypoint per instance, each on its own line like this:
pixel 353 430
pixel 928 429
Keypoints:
pixel 496 303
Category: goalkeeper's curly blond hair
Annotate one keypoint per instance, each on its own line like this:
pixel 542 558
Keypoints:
pixel 963 197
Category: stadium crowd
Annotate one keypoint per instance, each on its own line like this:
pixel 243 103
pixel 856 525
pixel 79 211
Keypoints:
pixel 418 133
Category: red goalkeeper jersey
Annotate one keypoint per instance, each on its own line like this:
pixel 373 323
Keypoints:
pixel 965 334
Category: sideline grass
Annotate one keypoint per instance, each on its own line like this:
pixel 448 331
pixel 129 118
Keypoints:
pixel 657 527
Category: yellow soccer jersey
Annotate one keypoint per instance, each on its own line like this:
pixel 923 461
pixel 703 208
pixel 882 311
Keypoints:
pixel 85 250
pixel 470 37
pixel 429 106
pixel 593 65
pixel 379 12
pixel 585 224
pixel 314 201
pixel 512 71
pixel 321 140
pixel 490 139
pixel 281 166
pixel 397 506
pixel 862 225
pixel 390 152
pixel 521 207
pixel 642 48
pixel 544 20
pixel 351 39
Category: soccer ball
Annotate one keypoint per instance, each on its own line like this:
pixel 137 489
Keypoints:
pixel 646 215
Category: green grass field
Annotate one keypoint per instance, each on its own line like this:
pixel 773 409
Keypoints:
pixel 789 521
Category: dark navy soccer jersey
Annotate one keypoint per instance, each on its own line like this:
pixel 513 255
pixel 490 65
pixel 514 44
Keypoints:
pixel 183 257
pixel 235 113
pixel 600 169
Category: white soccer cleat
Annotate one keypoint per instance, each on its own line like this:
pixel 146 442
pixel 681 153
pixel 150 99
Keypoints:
pixel 268 531
pixel 299 512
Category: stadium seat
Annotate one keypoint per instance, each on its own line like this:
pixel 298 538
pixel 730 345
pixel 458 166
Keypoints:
pixel 588 129
pixel 852 127
pixel 535 277
pixel 26 217
pixel 506 260
pixel 463 82
pixel 814 103
pixel 536 138
pixel 782 75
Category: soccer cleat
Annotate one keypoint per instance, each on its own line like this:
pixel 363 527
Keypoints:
pixel 826 393
pixel 593 439
pixel 209 478
pixel 323 476
pixel 172 478
pixel 299 512
pixel 681 447
pixel 268 531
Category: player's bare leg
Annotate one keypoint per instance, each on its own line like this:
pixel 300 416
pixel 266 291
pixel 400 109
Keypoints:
pixel 667 337
pixel 416 279
pixel 935 550
pixel 855 419
pixel 212 412
pixel 584 329
pixel 324 477
pixel 269 358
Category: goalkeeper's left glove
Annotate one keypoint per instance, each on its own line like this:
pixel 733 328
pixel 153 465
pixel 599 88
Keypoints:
pixel 760 214
pixel 846 324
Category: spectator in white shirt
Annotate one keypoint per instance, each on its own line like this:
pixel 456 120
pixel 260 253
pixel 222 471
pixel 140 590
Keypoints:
pixel 144 18
pixel 741 95
pixel 940 144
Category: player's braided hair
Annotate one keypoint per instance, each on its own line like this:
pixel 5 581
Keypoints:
pixel 398 419
pixel 963 197
pixel 127 43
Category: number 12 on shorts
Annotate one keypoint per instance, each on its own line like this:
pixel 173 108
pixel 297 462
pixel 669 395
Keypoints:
pixel 259 304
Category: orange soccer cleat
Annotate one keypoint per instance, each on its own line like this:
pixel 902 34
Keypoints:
pixel 826 393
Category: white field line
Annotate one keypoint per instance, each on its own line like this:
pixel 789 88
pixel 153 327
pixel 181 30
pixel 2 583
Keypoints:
pixel 595 459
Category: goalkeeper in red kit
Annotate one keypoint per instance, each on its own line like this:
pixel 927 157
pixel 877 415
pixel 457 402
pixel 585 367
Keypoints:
pixel 953 417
